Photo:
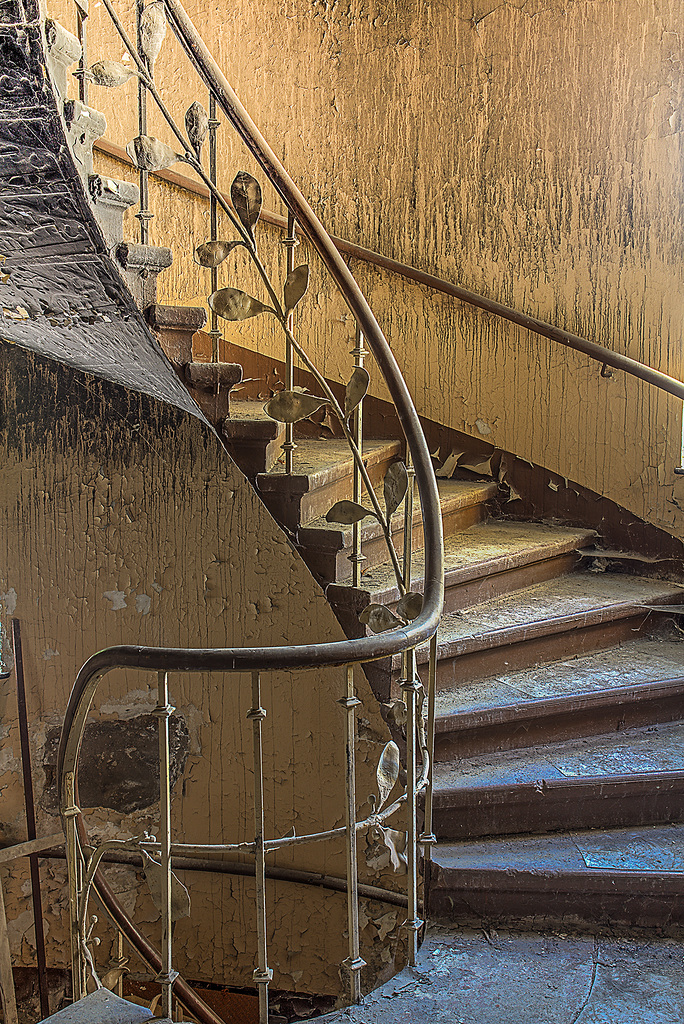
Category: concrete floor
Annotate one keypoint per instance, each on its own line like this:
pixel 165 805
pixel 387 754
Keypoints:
pixel 465 977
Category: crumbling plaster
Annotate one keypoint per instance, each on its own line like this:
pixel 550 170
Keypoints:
pixel 531 151
pixel 109 496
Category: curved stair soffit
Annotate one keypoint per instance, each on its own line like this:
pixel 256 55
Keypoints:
pixel 62 294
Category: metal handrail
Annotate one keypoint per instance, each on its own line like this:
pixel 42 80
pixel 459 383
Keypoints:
pixel 603 355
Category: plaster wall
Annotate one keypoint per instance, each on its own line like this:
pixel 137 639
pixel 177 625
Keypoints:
pixel 124 522
pixel 528 150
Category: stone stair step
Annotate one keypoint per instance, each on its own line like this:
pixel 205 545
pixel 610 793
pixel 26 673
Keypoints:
pixel 637 683
pixel 634 777
pixel 253 439
pixel 484 561
pixel 102 1007
pixel 111 198
pixel 323 474
pixel 612 878
pixel 326 547
pixel 559 618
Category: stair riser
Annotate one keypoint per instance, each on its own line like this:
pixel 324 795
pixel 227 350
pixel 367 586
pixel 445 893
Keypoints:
pixel 292 506
pixel 606 904
pixel 558 806
pixel 464 595
pixel 331 566
pixel 571 720
pixel 254 455
pixel 481 664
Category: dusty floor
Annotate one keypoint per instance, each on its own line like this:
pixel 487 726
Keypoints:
pixel 469 978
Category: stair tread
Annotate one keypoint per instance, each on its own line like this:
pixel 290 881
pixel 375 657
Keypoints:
pixel 642 848
pixel 246 409
pixel 637 751
pixel 102 1007
pixel 579 594
pixel 644 660
pixel 491 546
pixel 453 494
pixel 320 461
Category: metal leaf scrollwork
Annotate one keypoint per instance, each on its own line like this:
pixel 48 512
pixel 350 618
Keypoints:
pixel 210 254
pixel 395 485
pixel 347 512
pixel 410 606
pixel 379 618
pixel 291 406
pixel 232 304
pixel 197 126
pixel 295 286
pixel 152 31
pixel 180 897
pixel 110 73
pixel 150 154
pixel 387 772
pixel 245 194
pixel 356 390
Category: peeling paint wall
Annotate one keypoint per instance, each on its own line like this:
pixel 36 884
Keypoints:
pixel 124 522
pixel 530 151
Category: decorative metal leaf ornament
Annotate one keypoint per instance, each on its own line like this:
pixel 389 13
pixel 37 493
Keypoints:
pixel 295 286
pixel 232 304
pixel 379 618
pixel 152 31
pixel 356 390
pixel 150 154
pixel 394 486
pixel 110 73
pixel 410 606
pixel 245 193
pixel 387 772
pixel 347 512
pixel 210 254
pixel 197 126
pixel 291 406
pixel 180 897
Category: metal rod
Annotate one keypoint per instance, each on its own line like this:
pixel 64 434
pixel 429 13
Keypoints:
pixel 290 242
pixel 82 33
pixel 354 963
pixel 410 687
pixel 163 712
pixel 143 214
pixel 408 521
pixel 214 333
pixel 428 839
pixel 9 999
pixel 357 558
pixel 70 815
pixel 262 974
pixel 30 817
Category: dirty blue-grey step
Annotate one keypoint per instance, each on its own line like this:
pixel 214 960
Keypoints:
pixel 630 778
pixel 481 977
pixel 102 1007
pixel 636 683
pixel 619 878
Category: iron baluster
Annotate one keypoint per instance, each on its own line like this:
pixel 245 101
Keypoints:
pixel 290 243
pixel 410 686
pixel 408 521
pixel 262 974
pixel 82 33
pixel 428 838
pixel 354 963
pixel 143 214
pixel 70 814
pixel 357 558
pixel 163 712
pixel 214 333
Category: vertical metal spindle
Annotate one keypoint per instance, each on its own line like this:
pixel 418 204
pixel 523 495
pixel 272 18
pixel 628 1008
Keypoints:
pixel 214 333
pixel 354 962
pixel 74 881
pixel 120 962
pixel 82 33
pixel 408 520
pixel 143 214
pixel 262 974
pixel 411 687
pixel 163 712
pixel 428 839
pixel 357 558
pixel 291 242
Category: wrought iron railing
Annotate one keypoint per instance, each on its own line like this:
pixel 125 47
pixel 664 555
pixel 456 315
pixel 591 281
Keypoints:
pixel 417 615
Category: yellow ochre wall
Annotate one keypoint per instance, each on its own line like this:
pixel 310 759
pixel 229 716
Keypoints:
pixel 126 523
pixel 525 150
